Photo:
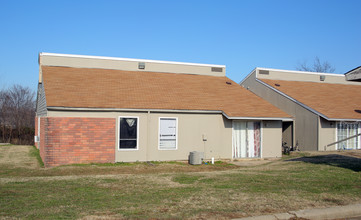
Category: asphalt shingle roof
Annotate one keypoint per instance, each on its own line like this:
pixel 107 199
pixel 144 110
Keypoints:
pixel 105 88
pixel 337 101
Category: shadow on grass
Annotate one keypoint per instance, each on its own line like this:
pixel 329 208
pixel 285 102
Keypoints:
pixel 352 163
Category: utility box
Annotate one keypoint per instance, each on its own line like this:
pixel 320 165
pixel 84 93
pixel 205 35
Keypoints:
pixel 196 157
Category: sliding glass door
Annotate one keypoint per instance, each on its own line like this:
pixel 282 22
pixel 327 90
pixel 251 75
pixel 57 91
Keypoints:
pixel 246 139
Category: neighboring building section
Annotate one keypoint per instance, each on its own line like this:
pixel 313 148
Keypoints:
pixel 100 109
pixel 354 75
pixel 326 107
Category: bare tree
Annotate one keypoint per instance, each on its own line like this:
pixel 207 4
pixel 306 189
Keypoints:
pixel 318 66
pixel 17 112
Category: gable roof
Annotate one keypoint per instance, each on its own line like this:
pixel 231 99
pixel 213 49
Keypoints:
pixel 330 100
pixel 118 89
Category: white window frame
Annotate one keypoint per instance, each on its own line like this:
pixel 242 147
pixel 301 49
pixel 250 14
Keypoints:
pixel 118 135
pixel 176 135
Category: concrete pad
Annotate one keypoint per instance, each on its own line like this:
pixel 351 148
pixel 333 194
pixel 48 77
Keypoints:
pixel 329 213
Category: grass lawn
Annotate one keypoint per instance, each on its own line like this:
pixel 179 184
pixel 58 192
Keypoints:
pixel 174 190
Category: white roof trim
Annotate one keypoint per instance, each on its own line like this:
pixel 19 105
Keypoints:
pixel 132 110
pixel 127 59
pixel 257 118
pixel 249 74
pixel 303 72
pixel 343 119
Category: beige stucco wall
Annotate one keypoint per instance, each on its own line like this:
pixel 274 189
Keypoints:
pixel 127 65
pixel 271 139
pixel 191 130
pixel 305 77
pixel 305 122
pixel 327 134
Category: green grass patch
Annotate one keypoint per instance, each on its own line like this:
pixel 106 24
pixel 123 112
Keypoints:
pixel 34 152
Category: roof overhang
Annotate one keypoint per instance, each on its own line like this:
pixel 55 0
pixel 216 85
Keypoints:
pixel 257 118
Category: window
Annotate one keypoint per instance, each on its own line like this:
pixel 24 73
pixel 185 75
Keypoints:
pixel 167 133
pixel 128 133
pixel 345 130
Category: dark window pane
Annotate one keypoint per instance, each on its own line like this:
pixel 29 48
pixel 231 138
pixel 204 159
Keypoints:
pixel 128 128
pixel 127 144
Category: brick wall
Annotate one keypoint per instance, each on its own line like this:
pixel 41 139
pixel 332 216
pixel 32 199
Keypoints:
pixel 41 144
pixel 68 140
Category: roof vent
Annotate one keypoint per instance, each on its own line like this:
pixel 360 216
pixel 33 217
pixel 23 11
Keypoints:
pixel 322 78
pixel 141 65
pixel 229 83
pixel 217 69
pixel 277 84
pixel 264 72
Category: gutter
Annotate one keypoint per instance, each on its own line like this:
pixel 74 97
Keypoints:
pixel 131 110
pixel 166 111
pixel 257 118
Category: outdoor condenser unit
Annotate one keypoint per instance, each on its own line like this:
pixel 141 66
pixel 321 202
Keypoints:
pixel 196 158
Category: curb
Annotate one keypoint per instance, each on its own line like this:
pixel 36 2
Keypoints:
pixel 314 214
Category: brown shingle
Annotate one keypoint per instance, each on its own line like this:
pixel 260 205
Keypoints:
pixel 338 101
pixel 103 88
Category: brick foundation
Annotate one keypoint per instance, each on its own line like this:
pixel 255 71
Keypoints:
pixel 68 140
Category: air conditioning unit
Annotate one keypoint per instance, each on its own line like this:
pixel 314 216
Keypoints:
pixel 36 139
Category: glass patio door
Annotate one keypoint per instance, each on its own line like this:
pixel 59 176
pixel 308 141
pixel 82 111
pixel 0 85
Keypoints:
pixel 246 139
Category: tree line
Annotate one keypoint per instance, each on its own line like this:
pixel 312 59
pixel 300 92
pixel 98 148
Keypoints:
pixel 17 115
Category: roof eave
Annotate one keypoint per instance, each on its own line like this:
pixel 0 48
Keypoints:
pixel 258 118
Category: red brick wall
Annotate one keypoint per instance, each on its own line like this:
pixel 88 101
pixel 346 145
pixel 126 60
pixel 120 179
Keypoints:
pixel 70 140
pixel 42 138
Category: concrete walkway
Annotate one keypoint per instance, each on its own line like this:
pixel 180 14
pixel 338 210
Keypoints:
pixel 337 212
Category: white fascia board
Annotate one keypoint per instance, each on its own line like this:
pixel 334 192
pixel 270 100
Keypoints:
pixel 258 118
pixel 132 110
pixel 249 74
pixel 303 72
pixel 128 59
pixel 292 99
pixel 343 119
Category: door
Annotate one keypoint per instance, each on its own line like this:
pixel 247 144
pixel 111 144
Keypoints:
pixel 246 139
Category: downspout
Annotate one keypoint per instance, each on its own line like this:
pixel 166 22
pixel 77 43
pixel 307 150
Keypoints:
pixel 318 133
pixel 148 136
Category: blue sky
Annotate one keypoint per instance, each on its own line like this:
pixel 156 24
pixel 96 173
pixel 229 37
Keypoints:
pixel 239 34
